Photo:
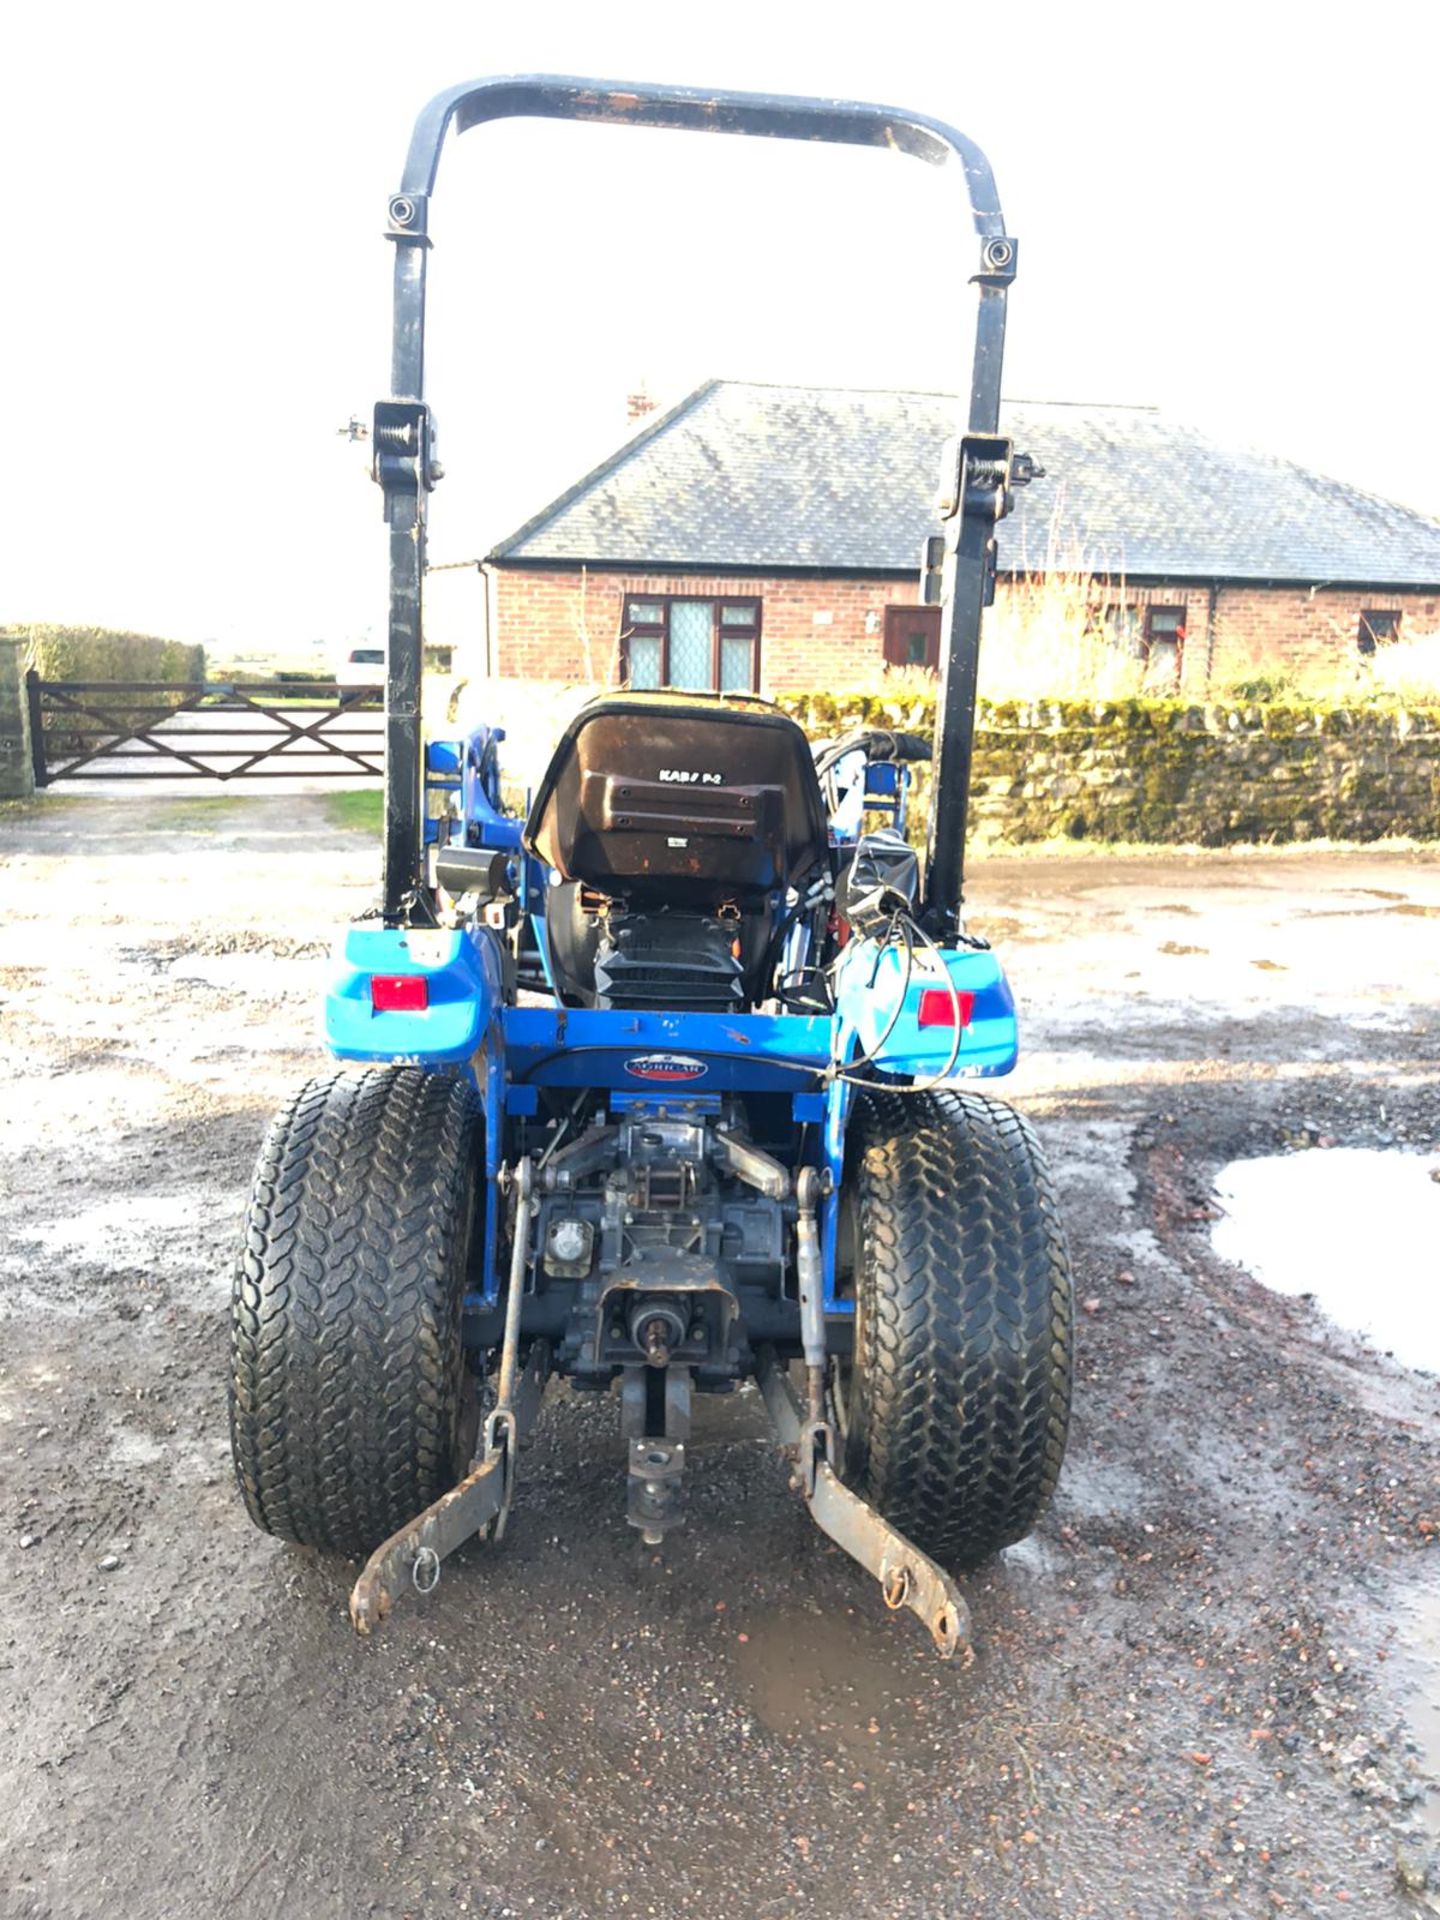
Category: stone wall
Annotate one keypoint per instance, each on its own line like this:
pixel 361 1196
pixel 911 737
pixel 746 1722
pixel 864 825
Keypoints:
pixel 17 779
pixel 1162 772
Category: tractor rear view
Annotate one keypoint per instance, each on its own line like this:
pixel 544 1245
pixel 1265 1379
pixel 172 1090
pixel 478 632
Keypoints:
pixel 668 1086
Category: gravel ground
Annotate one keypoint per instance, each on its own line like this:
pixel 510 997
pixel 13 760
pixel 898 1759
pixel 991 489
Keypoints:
pixel 1201 1688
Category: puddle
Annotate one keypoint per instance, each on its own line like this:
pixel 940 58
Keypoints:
pixel 1096 1490
pixel 248 972
pixel 820 1675
pixel 201 1462
pixel 1354 1227
pixel 1415 1657
pixel 130 1448
pixel 129 1243
pixel 125 1228
pixel 1411 909
pixel 1035 1558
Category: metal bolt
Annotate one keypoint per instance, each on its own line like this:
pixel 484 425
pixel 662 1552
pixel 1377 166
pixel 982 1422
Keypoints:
pixel 657 1342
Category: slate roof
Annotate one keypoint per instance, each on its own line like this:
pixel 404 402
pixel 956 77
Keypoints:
pixel 748 476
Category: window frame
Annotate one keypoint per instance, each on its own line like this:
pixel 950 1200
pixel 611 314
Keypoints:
pixel 1392 617
pixel 1181 611
pixel 899 613
pixel 718 631
pixel 1120 624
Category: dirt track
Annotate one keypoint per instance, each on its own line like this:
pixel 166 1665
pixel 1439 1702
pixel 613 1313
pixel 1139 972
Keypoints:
pixel 1187 1696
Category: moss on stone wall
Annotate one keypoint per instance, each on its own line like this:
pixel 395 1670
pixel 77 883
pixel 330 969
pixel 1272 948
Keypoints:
pixel 1166 772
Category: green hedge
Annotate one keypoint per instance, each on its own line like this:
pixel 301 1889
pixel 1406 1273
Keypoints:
pixel 99 653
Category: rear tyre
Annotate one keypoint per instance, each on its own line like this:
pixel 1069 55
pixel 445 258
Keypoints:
pixel 954 1411
pixel 347 1369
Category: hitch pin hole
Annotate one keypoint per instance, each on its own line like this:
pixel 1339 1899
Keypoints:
pixel 895 1587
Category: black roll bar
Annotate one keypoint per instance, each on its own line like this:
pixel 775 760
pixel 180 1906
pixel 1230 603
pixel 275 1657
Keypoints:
pixel 976 485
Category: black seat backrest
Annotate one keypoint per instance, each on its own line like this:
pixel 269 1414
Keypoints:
pixel 682 793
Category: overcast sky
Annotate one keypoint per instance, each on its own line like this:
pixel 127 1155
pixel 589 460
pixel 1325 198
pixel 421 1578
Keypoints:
pixel 1228 211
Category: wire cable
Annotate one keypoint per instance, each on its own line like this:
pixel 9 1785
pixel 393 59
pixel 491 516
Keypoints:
pixel 902 923
pixel 906 926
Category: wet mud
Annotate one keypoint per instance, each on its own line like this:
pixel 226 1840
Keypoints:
pixel 1206 1684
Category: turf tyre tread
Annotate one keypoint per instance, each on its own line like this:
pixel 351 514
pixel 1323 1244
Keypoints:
pixel 347 1366
pixel 959 1396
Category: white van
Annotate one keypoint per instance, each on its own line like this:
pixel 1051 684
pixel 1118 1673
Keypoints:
pixel 361 667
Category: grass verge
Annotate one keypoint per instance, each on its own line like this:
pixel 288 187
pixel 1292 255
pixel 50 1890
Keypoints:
pixel 358 810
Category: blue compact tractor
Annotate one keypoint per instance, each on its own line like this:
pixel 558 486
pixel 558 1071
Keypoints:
pixel 666 1087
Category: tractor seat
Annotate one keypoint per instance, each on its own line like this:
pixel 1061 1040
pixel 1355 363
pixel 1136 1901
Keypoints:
pixel 680 800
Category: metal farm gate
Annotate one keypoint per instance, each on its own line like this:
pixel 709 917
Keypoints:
pixel 143 730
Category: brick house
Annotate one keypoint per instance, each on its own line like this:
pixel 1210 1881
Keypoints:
pixel 769 537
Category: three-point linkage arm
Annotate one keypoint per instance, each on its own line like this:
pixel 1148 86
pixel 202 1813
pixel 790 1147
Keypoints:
pixel 976 491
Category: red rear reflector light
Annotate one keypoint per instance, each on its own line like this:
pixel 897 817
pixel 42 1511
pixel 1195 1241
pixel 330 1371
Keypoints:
pixel 937 1007
pixel 400 992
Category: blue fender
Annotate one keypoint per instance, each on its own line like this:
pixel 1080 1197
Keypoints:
pixel 463 985
pixel 878 991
